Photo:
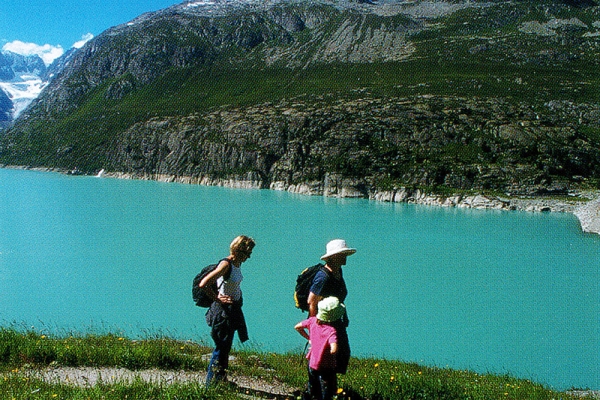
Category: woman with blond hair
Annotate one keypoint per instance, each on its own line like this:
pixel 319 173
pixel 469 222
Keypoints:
pixel 225 315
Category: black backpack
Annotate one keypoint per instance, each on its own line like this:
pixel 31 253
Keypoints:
pixel 303 284
pixel 198 294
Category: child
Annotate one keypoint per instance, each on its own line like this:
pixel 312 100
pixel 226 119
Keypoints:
pixel 322 379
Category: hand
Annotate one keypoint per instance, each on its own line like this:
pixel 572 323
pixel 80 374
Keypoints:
pixel 224 299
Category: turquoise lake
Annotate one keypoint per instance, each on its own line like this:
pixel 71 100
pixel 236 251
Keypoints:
pixel 489 291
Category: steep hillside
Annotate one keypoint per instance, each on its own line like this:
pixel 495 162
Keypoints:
pixel 450 95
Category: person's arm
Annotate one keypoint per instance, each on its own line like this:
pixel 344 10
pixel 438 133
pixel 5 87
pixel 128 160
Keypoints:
pixel 334 348
pixel 313 303
pixel 302 330
pixel 316 289
pixel 207 282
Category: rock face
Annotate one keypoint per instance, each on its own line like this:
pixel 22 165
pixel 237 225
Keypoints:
pixel 357 147
pixel 6 107
pixel 132 55
pixel 589 216
pixel 12 65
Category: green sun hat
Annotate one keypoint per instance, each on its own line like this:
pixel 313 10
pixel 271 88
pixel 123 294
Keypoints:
pixel 330 309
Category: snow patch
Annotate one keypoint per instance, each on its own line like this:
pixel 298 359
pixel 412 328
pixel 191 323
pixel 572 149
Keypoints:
pixel 200 4
pixel 84 39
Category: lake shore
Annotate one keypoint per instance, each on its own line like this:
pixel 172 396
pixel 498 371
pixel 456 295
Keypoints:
pixel 585 205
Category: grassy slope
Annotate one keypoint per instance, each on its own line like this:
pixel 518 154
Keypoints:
pixel 367 378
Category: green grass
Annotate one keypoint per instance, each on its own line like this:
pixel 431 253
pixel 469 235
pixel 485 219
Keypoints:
pixel 15 386
pixel 367 378
pixel 19 348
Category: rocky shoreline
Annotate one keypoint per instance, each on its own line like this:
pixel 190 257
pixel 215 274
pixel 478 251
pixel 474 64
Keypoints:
pixel 584 205
pixel 589 216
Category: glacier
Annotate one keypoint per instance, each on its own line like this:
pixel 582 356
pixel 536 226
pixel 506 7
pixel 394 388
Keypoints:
pixel 22 79
pixel 22 91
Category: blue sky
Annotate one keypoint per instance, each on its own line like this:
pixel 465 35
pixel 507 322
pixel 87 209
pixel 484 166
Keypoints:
pixel 50 27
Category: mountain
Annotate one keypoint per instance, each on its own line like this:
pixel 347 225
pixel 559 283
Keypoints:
pixel 58 64
pixel 6 106
pixel 20 83
pixel 336 97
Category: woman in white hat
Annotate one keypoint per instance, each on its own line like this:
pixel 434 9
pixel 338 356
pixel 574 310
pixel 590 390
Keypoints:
pixel 329 281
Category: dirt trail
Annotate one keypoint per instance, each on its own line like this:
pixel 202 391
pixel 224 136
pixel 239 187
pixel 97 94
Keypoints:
pixel 88 376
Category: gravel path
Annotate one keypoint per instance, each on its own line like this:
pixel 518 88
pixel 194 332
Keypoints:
pixel 87 376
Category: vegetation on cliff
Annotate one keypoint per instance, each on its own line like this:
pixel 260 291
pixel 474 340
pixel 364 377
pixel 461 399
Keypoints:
pixel 499 96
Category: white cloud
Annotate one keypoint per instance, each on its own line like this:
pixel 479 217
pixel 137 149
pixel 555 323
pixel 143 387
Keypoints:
pixel 84 39
pixel 47 52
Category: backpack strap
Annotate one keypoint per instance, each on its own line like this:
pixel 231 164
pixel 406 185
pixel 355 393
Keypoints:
pixel 227 274
pixel 328 273
pixel 326 270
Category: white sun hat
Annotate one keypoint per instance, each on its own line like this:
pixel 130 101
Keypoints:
pixel 337 246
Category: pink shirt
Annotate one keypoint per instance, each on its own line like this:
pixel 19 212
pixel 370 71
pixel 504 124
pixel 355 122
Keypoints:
pixel 321 337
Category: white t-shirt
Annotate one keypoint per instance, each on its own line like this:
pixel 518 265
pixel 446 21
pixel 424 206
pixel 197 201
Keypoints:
pixel 231 287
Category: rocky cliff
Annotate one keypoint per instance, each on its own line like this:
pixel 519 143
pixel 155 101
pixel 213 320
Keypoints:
pixel 363 145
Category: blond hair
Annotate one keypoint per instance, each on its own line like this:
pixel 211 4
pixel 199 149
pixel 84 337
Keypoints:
pixel 242 244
